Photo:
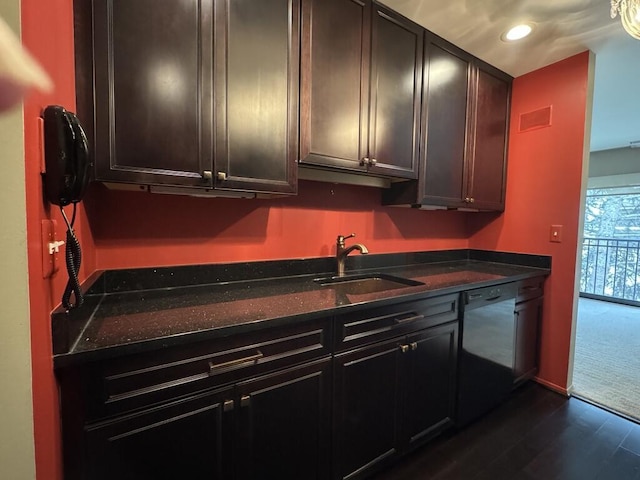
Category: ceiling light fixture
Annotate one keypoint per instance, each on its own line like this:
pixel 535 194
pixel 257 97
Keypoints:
pixel 629 11
pixel 517 32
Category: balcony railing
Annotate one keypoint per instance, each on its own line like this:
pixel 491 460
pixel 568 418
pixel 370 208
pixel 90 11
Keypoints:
pixel 611 269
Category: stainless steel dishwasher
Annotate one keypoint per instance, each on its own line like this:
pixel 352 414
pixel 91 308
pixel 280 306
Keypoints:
pixel 487 350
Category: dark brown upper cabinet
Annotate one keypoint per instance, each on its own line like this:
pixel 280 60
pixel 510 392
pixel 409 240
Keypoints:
pixel 446 119
pixel 361 70
pixel 464 129
pixel 487 162
pixel 191 93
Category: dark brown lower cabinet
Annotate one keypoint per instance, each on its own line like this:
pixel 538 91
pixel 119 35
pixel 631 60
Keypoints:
pixel 275 426
pixel 390 397
pixel 528 315
pixel 431 383
pixel 284 423
pixel 366 399
pixel 182 439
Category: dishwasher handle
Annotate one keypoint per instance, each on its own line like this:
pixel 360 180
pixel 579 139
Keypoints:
pixel 473 296
pixel 484 296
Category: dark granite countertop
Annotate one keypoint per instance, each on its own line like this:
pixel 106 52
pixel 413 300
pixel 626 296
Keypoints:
pixel 129 319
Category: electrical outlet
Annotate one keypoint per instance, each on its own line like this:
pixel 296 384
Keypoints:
pixel 555 233
pixel 49 254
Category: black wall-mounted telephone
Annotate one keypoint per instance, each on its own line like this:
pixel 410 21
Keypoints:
pixel 67 174
pixel 67 164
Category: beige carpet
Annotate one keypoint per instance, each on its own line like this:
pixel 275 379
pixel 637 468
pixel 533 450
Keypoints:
pixel 607 356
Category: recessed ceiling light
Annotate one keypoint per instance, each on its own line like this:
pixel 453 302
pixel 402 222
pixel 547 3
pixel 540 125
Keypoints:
pixel 517 32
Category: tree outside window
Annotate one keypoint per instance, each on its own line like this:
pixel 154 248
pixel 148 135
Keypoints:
pixel 611 248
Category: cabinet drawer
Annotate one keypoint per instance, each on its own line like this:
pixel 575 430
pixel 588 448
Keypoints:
pixel 382 323
pixel 140 380
pixel 530 288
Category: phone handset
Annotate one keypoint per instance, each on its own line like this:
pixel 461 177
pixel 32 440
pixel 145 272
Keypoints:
pixel 78 171
pixel 68 167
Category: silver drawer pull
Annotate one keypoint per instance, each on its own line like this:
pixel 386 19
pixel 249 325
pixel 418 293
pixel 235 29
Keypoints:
pixel 232 363
pixel 412 318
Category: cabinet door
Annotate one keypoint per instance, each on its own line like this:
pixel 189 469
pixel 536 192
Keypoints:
pixel 528 315
pixel 183 439
pixel 396 81
pixel 430 383
pixel 366 401
pixel 152 91
pixel 256 91
pixel 335 82
pixel 488 175
pixel 447 102
pixel 284 424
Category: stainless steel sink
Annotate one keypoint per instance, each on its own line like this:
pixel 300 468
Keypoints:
pixel 366 283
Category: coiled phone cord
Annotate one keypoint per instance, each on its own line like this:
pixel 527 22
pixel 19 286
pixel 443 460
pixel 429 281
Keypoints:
pixel 73 256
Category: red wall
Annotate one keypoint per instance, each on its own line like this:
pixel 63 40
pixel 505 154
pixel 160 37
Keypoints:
pixel 544 182
pixel 134 229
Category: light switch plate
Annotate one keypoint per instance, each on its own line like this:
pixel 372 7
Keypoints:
pixel 555 233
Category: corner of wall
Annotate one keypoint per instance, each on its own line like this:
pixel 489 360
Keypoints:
pixel 583 193
pixel 17 450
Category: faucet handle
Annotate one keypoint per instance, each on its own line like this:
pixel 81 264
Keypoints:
pixel 341 238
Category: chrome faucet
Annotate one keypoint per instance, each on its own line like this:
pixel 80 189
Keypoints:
pixel 342 252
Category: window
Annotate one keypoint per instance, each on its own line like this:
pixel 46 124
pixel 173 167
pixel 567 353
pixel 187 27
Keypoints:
pixel 611 247
pixel 613 213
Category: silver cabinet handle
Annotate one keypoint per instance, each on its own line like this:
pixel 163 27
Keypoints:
pixel 412 318
pixel 245 401
pixel 365 161
pixel 404 348
pixel 207 175
pixel 214 367
pixel 414 345
pixel 372 162
pixel 227 406
pixel 221 176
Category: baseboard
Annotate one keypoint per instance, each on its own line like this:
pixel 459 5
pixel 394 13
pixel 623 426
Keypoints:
pixel 552 386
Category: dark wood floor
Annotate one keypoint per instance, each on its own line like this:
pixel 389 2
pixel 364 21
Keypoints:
pixel 536 435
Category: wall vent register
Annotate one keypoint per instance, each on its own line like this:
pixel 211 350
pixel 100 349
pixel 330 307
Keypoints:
pixel 536 119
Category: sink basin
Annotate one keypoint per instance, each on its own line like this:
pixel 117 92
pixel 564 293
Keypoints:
pixel 366 283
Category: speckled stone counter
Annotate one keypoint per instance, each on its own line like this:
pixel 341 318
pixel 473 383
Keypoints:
pixel 137 310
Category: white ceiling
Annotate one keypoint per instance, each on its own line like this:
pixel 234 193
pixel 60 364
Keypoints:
pixel 562 28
